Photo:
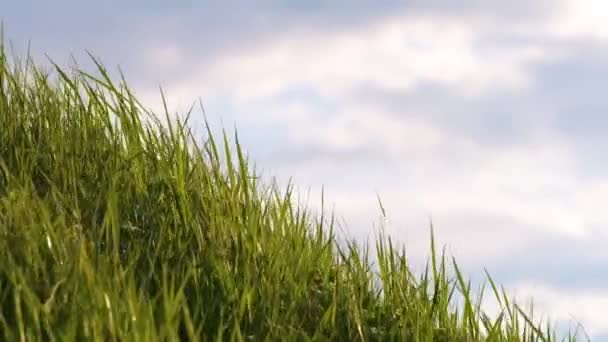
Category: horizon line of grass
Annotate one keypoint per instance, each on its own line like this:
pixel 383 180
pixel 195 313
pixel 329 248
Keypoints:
pixel 115 226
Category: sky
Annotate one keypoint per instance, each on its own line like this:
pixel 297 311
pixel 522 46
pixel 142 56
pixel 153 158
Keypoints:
pixel 488 118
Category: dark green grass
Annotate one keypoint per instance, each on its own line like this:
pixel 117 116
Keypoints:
pixel 115 226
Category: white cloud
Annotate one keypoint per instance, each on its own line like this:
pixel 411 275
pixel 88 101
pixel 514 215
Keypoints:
pixel 163 56
pixel 589 306
pixel 529 183
pixel 396 54
pixel 580 19
pixel 352 126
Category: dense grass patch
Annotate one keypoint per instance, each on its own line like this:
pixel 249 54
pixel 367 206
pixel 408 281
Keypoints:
pixel 115 226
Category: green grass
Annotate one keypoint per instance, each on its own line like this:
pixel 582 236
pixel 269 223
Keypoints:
pixel 117 226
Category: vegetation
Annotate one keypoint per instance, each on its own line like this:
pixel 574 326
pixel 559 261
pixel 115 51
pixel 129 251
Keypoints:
pixel 117 226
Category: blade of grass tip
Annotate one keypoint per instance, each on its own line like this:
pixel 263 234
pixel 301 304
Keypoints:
pixel 494 288
pixel 108 84
pixel 167 115
pixel 228 156
pixel 580 326
pixel 96 93
pixel 322 216
pixel 424 281
pixel 95 79
pixel 434 260
pixel 507 304
pixel 443 269
pixel 468 311
pixel 278 198
pixel 213 153
pixel 28 62
pixel 332 223
pixel 69 81
pixel 480 299
pixel 187 117
pixel 74 62
pixel 381 206
pixel 433 251
pixel 129 98
pixel 186 130
pixel 531 324
pixel 243 170
pixel 288 201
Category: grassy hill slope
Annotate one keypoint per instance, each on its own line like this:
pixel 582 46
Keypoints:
pixel 114 226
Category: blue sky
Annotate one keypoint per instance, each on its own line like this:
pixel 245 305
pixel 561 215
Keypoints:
pixel 487 116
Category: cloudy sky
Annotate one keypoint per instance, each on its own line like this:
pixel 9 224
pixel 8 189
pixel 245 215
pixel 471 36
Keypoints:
pixel 488 117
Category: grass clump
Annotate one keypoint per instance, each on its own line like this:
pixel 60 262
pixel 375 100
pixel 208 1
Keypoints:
pixel 115 226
